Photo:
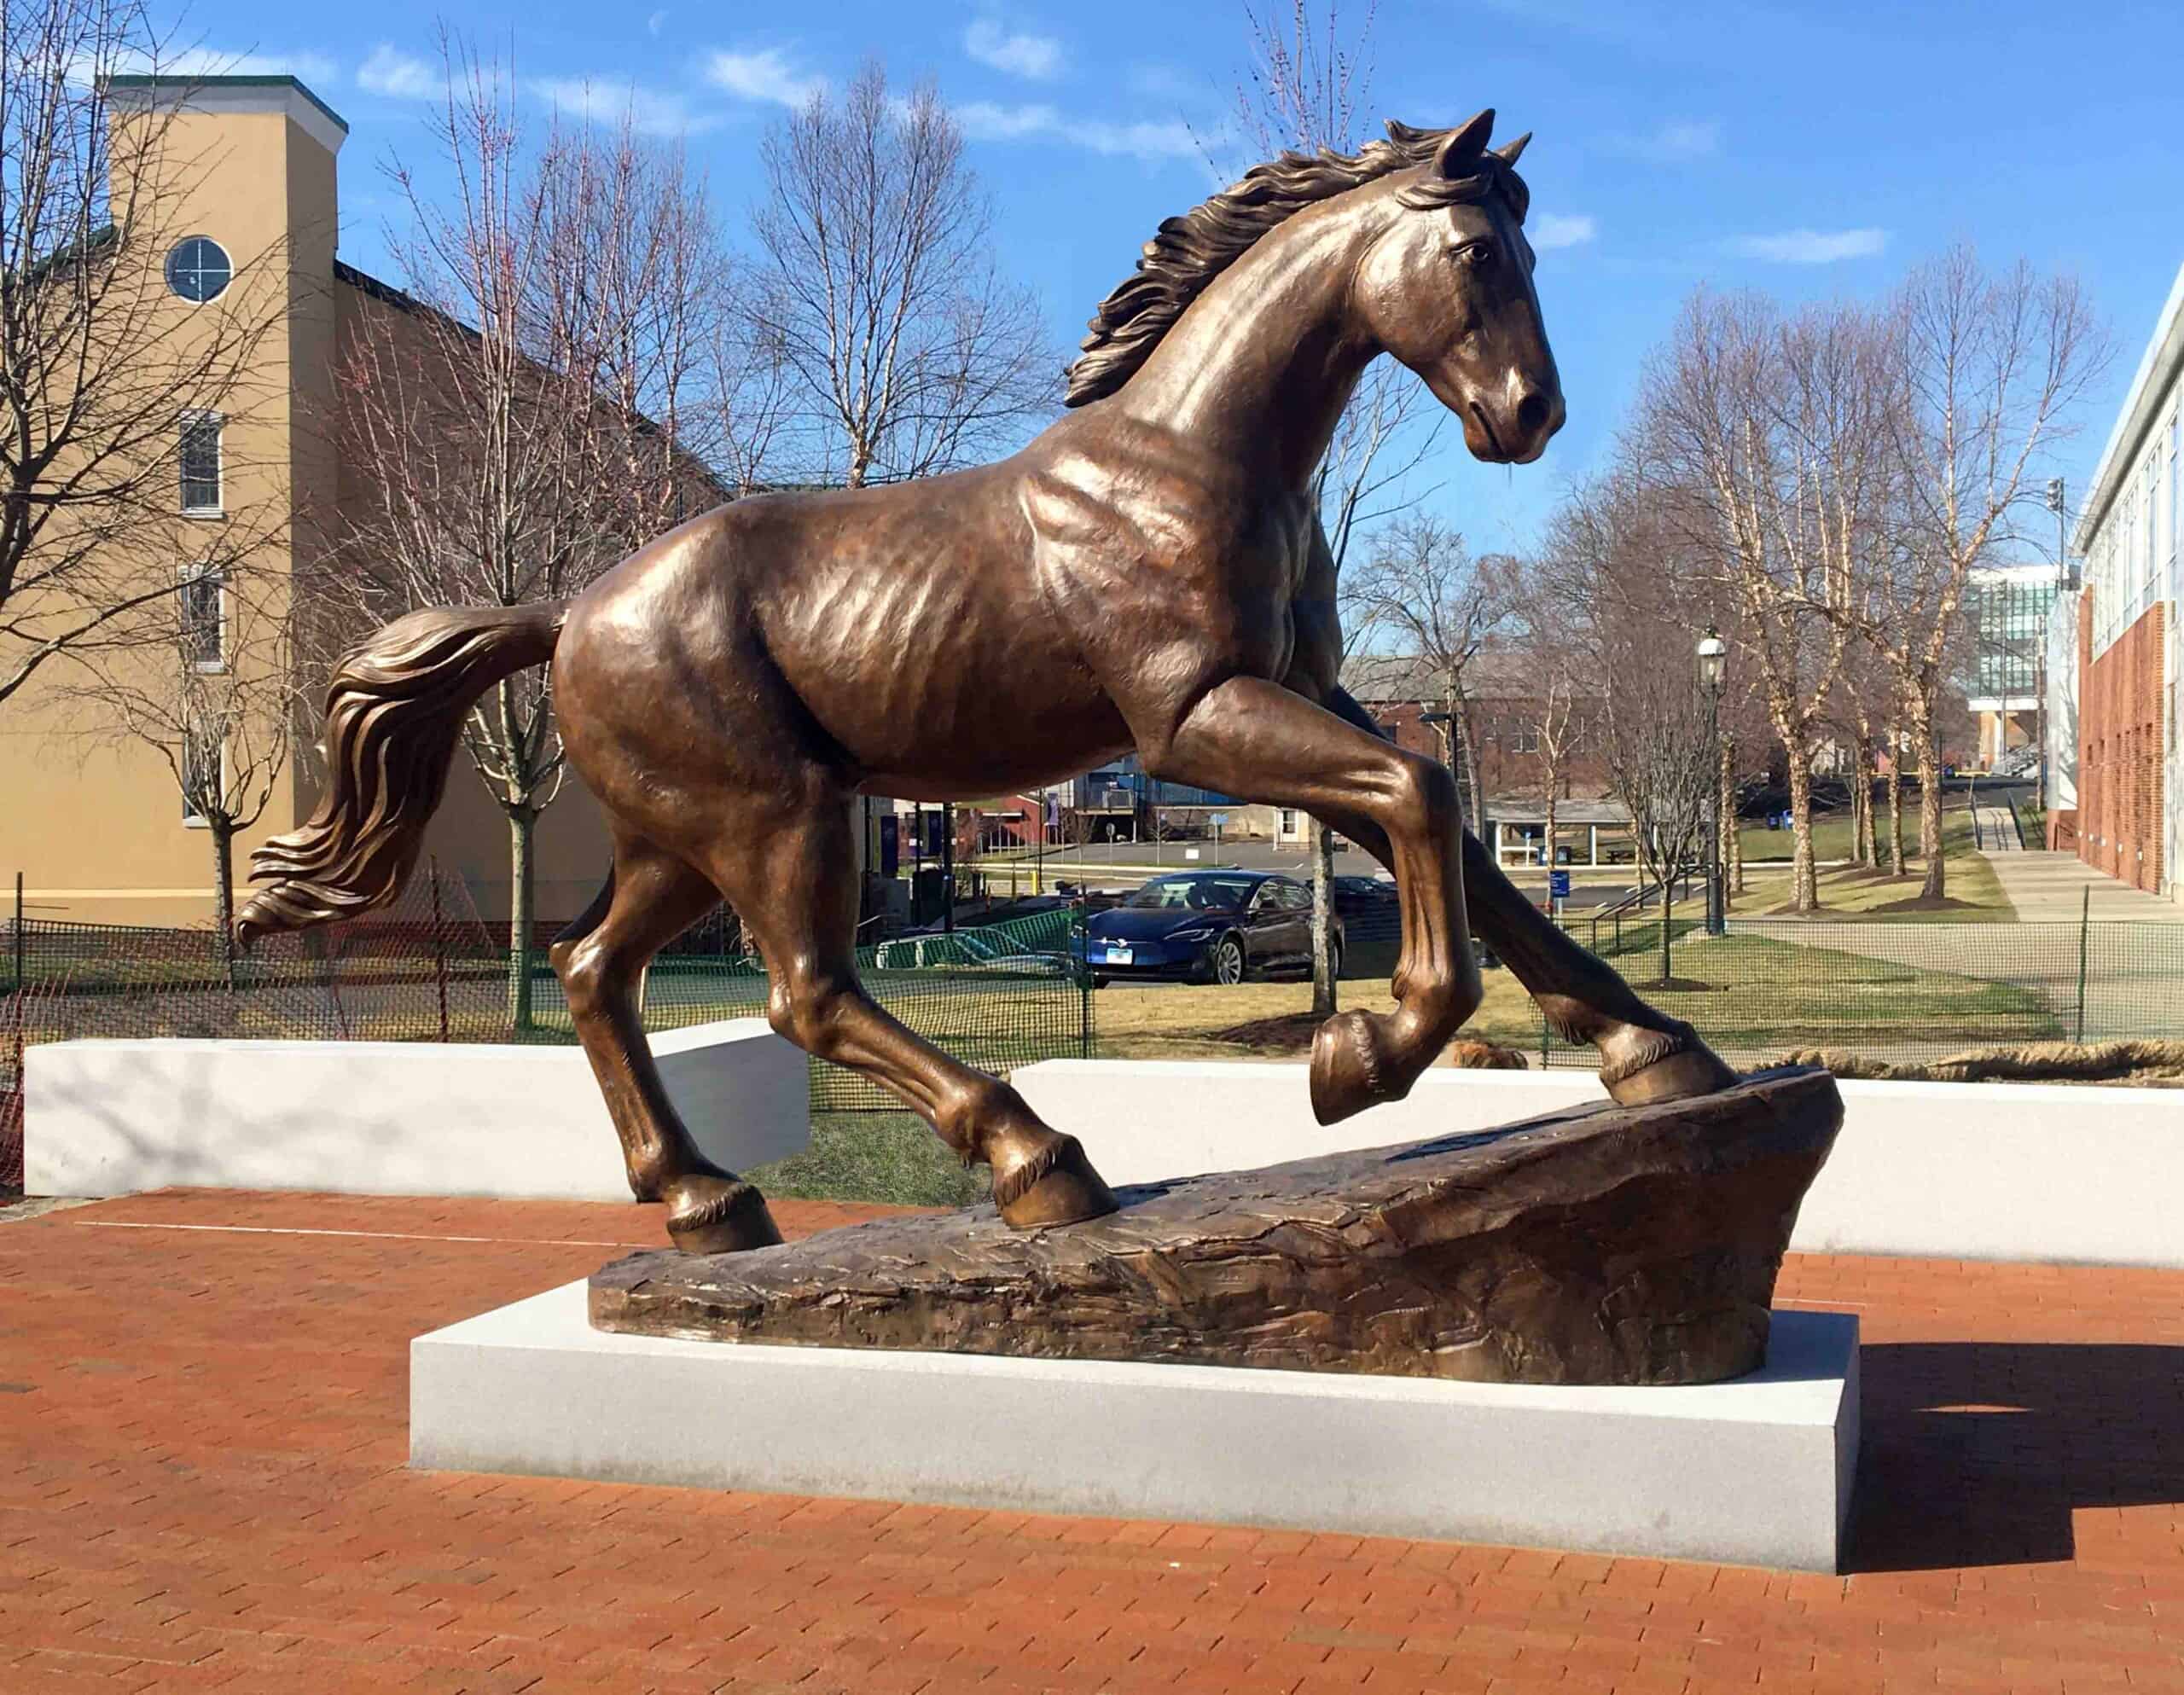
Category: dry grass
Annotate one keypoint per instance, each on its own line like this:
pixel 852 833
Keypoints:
pixel 1975 894
pixel 2150 1064
pixel 1189 1021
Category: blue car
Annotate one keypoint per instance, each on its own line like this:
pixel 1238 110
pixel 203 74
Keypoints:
pixel 1206 926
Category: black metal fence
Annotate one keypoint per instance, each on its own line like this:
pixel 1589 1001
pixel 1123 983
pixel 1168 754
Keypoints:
pixel 429 969
pixel 1901 992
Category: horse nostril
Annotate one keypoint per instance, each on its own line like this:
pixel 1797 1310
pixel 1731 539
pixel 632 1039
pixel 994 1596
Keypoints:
pixel 1532 413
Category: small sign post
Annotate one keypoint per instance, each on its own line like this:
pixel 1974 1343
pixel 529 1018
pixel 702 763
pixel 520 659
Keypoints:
pixel 1558 889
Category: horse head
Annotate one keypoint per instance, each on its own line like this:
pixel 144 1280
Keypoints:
pixel 1447 288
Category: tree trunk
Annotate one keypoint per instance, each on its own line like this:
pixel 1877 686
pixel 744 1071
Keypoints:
pixel 1895 802
pixel 1860 796
pixel 1323 953
pixel 1725 818
pixel 224 894
pixel 1477 771
pixel 1667 901
pixel 522 904
pixel 1929 808
pixel 1804 872
pixel 1736 835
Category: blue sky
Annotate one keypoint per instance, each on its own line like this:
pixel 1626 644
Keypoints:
pixel 1810 151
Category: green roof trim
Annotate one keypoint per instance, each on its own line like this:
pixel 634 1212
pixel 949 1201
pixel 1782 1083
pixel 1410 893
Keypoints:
pixel 231 81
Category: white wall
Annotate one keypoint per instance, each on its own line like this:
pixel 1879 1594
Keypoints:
pixel 2008 1171
pixel 388 1118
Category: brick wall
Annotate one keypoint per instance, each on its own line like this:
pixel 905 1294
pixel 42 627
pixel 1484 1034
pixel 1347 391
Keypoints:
pixel 2119 816
pixel 1507 768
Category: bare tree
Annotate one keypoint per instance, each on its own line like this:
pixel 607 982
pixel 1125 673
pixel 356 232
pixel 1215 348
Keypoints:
pixel 1435 606
pixel 1308 89
pixel 1660 761
pixel 1638 597
pixel 1766 438
pixel 1989 367
pixel 208 685
pixel 910 352
pixel 1553 715
pixel 106 362
pixel 514 418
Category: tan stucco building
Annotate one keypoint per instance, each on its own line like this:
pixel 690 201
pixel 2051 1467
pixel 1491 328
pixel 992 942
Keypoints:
pixel 97 826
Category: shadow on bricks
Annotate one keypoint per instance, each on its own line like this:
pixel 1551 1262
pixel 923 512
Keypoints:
pixel 1982 1453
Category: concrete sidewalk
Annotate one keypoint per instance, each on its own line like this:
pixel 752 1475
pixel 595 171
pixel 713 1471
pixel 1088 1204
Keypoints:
pixel 2051 888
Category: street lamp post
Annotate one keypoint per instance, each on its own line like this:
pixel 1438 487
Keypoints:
pixel 1713 674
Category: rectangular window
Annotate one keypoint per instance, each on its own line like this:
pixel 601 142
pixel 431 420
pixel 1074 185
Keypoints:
pixel 203 756
pixel 201 462
pixel 204 621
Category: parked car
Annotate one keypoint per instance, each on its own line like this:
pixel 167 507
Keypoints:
pixel 1205 926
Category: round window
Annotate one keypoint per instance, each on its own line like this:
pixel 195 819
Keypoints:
pixel 198 268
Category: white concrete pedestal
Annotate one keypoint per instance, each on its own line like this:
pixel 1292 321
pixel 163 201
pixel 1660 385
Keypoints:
pixel 1756 1472
pixel 390 1118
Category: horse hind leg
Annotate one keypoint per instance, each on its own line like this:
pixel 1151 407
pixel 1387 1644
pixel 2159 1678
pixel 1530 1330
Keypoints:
pixel 650 898
pixel 786 868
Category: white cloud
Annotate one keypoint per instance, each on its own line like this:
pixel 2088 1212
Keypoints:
pixel 1687 139
pixel 656 22
pixel 984 121
pixel 315 68
pixel 1678 141
pixel 764 75
pixel 398 75
pixel 1036 56
pixel 1165 82
pixel 1810 246
pixel 1560 229
pixel 651 112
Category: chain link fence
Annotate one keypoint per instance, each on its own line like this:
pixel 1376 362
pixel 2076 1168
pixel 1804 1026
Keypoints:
pixel 429 969
pixel 1903 993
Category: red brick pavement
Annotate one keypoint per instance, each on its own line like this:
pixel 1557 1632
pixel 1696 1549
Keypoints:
pixel 202 1433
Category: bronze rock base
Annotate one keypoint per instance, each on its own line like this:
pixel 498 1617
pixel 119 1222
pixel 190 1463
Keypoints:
pixel 1609 1244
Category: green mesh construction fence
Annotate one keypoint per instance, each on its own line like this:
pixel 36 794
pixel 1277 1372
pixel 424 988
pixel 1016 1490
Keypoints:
pixel 1895 991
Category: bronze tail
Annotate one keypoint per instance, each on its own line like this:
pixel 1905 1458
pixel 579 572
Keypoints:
pixel 393 713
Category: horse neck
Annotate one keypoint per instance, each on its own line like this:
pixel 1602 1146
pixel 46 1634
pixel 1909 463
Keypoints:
pixel 1260 366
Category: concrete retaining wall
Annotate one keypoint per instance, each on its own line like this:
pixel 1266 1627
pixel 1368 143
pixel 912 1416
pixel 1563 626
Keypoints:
pixel 388 1118
pixel 2011 1171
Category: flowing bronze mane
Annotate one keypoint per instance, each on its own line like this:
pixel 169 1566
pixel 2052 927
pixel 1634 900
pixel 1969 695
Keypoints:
pixel 1190 250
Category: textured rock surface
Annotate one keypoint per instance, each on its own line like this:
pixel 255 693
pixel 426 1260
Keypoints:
pixel 1606 1245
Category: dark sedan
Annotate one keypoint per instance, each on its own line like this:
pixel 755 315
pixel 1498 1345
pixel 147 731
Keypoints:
pixel 1206 926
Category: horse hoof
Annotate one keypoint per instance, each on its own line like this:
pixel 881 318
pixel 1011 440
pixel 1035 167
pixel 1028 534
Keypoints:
pixel 1684 1075
pixel 1050 1183
pixel 719 1216
pixel 1347 1072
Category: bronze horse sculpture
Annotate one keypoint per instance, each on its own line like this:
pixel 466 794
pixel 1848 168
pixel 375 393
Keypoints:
pixel 1148 574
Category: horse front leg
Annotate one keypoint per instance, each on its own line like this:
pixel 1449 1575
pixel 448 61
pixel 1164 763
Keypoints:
pixel 1256 739
pixel 1645 1054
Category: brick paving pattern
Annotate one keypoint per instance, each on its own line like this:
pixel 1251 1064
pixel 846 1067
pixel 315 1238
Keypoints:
pixel 203 1428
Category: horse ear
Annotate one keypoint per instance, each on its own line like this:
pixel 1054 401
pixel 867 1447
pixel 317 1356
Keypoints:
pixel 1461 151
pixel 1515 151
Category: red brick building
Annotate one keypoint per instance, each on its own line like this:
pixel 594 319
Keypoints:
pixel 1503 706
pixel 2121 800
pixel 2130 532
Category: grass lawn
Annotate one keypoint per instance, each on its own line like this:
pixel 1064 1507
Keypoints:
pixel 1761 992
pixel 1975 894
pixel 891 1157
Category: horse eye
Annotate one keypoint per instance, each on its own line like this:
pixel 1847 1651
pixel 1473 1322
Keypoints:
pixel 1473 252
